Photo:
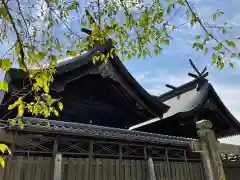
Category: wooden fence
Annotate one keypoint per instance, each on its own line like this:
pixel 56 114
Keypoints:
pixel 232 170
pixel 36 158
pixel 40 168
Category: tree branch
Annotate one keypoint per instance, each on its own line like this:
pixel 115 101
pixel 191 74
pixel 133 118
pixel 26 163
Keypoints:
pixel 17 34
pixel 203 27
pixel 99 9
pixel 49 6
pixel 20 11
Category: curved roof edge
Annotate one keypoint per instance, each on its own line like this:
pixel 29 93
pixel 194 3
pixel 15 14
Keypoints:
pixel 128 81
pixel 200 99
pixel 146 99
pixel 172 112
pixel 228 113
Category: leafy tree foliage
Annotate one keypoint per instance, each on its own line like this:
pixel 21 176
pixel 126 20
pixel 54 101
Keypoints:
pixel 137 29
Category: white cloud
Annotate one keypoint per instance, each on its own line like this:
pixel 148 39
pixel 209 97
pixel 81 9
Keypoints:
pixel 141 76
pixel 235 2
pixel 159 80
pixel 226 92
pixel 41 12
pixel 132 4
pixel 236 20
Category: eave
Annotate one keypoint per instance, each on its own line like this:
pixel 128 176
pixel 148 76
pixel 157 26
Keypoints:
pixel 123 77
pixel 37 126
pixel 187 106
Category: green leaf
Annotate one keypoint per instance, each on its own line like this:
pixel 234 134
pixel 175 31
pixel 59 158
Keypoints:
pixel 214 16
pixel 219 13
pixel 21 63
pixel 56 112
pixel 198 37
pixel 232 65
pixel 71 53
pixel 170 6
pixel 218 47
pixel 60 106
pixel 221 65
pixel 224 31
pixel 21 109
pixel 4 86
pixel 31 54
pixel 45 87
pixel 17 48
pixel 83 23
pixel 48 124
pixel 19 23
pixel 4 14
pixel 3 148
pixel 13 122
pixel 6 64
pixel 53 60
pixel 181 2
pixel 20 123
pixel 205 51
pixel 34 33
pixel 2 161
pixel 169 1
pixel 71 7
pixel 50 25
pixel 230 43
pixel 214 58
pixel 166 41
pixel 16 103
pixel 58 45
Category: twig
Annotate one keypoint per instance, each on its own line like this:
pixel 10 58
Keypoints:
pixel 203 27
pixel 9 49
pixel 20 11
pixel 17 34
pixel 99 9
pixel 124 7
pixel 9 112
pixel 48 5
pixel 9 100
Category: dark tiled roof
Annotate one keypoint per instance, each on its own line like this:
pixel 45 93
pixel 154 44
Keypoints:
pixel 125 79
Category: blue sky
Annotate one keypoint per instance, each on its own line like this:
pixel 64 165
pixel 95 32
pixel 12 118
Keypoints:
pixel 172 66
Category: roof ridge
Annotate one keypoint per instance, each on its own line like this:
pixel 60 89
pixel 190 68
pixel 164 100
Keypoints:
pixel 180 89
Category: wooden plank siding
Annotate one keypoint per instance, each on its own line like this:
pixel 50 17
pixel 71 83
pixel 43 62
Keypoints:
pixel 27 168
pixel 232 170
pixel 38 168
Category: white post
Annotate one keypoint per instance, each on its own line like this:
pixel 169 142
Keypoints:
pixel 210 151
pixel 57 167
pixel 151 169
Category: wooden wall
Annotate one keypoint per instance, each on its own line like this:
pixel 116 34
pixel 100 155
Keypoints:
pixel 40 168
pixel 27 168
pixel 232 170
